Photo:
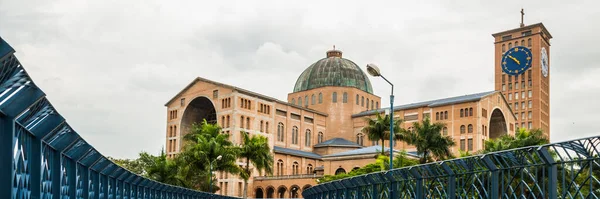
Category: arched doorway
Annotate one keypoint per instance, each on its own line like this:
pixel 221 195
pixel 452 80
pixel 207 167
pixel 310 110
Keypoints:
pixel 196 111
pixel 281 192
pixel 306 187
pixel 294 191
pixel 259 193
pixel 497 124
pixel 270 192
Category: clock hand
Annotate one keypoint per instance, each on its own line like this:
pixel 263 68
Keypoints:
pixel 515 59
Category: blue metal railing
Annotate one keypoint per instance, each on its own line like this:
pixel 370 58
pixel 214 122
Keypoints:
pixel 568 169
pixel 41 156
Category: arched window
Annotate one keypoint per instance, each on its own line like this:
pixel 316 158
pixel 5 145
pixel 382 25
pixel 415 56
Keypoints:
pixel 280 132
pixel 294 135
pixel 470 111
pixel 295 168
pixel 334 97
pixel 320 98
pixel 445 131
pixel 516 43
pixel 242 122
pixel 462 112
pixel 362 101
pixel 247 122
pixel 279 167
pixel 503 48
pixel 377 105
pixel 345 98
pixel 307 138
pixel 306 100
pixel 437 115
pixel 529 42
pixel 522 42
pixel 462 129
pixel 228 121
pixel 170 131
pixel 340 171
pixel 223 121
pixel 320 137
pixel 261 126
pixel 367 103
pixel 293 100
pixel 509 46
pixel 267 127
pixel 356 99
pixel 470 128
pixel 300 101
pixel 359 139
pixel 312 99
pixel 372 105
pixel 445 115
pixel 309 169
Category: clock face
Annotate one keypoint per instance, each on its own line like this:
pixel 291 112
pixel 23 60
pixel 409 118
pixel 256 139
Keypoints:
pixel 516 60
pixel 544 62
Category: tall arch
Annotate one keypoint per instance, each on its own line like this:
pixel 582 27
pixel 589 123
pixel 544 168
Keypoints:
pixel 270 192
pixel 259 193
pixel 497 125
pixel 281 191
pixel 199 109
pixel 295 191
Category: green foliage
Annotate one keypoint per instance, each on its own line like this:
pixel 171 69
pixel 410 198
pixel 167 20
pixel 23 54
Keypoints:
pixel 134 165
pixel 522 138
pixel 430 143
pixel 378 129
pixel 381 164
pixel 255 149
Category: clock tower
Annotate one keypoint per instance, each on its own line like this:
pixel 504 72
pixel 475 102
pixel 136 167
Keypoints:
pixel 528 93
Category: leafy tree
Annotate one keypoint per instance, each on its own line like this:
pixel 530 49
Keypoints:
pixel 522 138
pixel 134 165
pixel 204 144
pixel 378 128
pixel 381 163
pixel 429 141
pixel 161 169
pixel 254 149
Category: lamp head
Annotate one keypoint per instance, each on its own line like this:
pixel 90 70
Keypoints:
pixel 219 157
pixel 373 70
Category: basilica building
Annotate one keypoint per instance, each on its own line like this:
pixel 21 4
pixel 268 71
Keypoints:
pixel 316 131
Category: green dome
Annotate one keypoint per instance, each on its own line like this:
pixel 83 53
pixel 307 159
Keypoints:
pixel 333 71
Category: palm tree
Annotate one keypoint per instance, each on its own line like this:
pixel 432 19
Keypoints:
pixel 378 128
pixel 160 168
pixel 255 149
pixel 429 141
pixel 522 138
pixel 204 144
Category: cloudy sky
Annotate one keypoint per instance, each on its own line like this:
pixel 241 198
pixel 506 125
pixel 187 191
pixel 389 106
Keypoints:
pixel 110 66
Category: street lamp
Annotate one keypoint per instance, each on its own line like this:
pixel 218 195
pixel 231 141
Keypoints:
pixel 210 173
pixel 373 70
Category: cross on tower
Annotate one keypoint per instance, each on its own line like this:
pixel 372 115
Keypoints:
pixel 522 14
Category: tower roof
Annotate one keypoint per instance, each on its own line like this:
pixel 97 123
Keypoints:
pixel 333 70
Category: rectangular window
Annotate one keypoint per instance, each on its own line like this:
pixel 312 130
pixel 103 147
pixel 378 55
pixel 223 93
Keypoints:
pixel 523 94
pixel 529 84
pixel 529 125
pixel 295 116
pixel 509 78
pixel 523 105
pixel 516 85
pixel 503 87
pixel 516 96
pixel 507 37
pixel 529 74
pixel 503 78
pixel 526 33
pixel 182 101
pixel 523 115
pixel 529 93
pixel 411 117
pixel 529 104
pixel 510 96
pixel 509 86
pixel 529 115
pixel 215 94
pixel 470 144
pixel 516 106
pixel 462 144
pixel 280 113
pixel 522 84
pixel 308 120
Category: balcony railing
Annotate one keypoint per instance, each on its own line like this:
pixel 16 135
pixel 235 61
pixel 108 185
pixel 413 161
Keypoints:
pixel 301 176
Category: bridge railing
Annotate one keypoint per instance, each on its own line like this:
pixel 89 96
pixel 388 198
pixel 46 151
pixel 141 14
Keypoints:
pixel 41 156
pixel 568 169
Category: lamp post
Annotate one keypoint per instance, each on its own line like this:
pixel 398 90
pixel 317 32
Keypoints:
pixel 373 70
pixel 210 173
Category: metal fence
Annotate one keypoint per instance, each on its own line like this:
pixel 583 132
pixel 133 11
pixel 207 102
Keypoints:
pixel 41 156
pixel 568 169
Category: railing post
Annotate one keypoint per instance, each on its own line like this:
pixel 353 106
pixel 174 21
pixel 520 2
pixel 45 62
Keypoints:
pixel 419 192
pixel 451 185
pixel 552 172
pixel 36 166
pixel 495 177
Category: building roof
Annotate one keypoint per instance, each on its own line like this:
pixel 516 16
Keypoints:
pixel 244 91
pixel 337 142
pixel 333 71
pixel 368 150
pixel 296 152
pixel 524 28
pixel 432 103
